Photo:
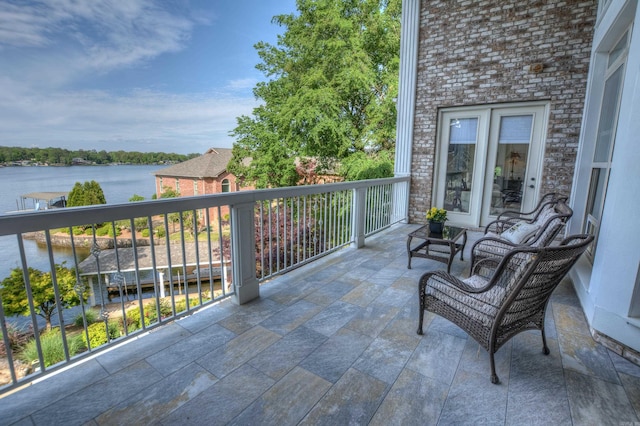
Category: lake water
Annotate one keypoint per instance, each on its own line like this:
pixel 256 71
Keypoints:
pixel 119 184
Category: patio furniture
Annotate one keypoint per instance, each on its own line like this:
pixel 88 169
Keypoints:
pixel 503 296
pixel 538 232
pixel 510 217
pixel 441 247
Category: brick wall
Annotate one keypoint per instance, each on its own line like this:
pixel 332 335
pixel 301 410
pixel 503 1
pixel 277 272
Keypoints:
pixel 205 186
pixel 480 52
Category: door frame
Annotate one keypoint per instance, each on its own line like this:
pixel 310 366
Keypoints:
pixel 486 148
pixel 535 156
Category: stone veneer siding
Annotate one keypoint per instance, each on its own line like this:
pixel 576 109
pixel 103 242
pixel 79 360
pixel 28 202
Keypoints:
pixel 479 53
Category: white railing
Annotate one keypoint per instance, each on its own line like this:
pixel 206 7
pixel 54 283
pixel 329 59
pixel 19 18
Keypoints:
pixel 99 274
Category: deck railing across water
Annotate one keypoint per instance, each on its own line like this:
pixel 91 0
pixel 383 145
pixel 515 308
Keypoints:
pixel 124 269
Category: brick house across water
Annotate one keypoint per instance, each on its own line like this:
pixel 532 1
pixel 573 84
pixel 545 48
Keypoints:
pixel 203 175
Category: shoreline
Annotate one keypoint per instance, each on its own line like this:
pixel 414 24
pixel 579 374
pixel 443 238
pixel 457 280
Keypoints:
pixel 87 241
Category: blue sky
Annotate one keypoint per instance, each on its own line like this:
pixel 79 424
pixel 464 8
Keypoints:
pixel 136 75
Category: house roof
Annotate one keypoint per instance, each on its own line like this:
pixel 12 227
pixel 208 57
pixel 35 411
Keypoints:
pixel 210 164
pixel 125 259
pixel 46 196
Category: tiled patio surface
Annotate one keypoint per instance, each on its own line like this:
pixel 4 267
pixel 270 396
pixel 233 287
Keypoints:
pixel 335 343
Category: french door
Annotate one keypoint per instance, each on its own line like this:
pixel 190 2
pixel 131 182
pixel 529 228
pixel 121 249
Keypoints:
pixel 489 160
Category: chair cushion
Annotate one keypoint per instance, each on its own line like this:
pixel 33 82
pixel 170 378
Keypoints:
pixel 520 232
pixel 544 216
pixel 482 307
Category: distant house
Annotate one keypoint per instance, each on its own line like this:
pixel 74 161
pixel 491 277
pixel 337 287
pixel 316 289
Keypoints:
pixel 203 175
pixel 80 162
pixel 307 169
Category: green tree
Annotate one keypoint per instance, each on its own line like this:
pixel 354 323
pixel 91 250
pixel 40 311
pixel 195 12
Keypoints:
pixel 14 293
pixel 135 198
pixel 331 89
pixel 87 194
pixel 360 166
pixel 174 218
pixel 169 193
pixel 64 156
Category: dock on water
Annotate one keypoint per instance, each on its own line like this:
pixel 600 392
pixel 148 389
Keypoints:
pixel 42 201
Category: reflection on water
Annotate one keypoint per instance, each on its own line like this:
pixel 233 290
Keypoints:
pixel 36 255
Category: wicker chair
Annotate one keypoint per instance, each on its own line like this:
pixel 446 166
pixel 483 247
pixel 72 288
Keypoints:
pixel 545 228
pixel 510 216
pixel 502 297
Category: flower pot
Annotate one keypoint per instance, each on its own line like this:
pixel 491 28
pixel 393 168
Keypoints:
pixel 436 227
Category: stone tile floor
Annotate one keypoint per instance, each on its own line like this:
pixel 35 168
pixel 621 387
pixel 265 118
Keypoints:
pixel 334 343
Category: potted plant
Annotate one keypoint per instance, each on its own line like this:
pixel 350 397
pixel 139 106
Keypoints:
pixel 436 218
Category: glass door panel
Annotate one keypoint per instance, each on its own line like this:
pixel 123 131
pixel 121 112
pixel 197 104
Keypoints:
pixel 514 160
pixel 463 136
pixel 460 164
pixel 511 158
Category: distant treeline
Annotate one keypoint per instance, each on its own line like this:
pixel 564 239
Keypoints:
pixel 60 156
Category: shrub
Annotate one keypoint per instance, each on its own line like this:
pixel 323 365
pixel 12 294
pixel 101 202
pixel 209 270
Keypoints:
pixel 78 230
pixel 140 223
pixel 160 232
pixel 145 233
pixel 133 317
pixel 52 348
pixel 107 230
pixel 17 338
pixel 98 333
pixel 103 231
pixel 165 308
pixel 181 305
pixel 90 314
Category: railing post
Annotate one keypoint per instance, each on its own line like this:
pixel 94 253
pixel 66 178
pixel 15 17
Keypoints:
pixel 357 217
pixel 406 105
pixel 243 253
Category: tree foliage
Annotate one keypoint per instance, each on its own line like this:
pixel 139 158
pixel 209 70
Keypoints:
pixel 360 166
pixel 87 194
pixel 14 293
pixel 186 216
pixel 168 192
pixel 332 80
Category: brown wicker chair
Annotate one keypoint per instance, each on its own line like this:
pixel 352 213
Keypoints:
pixel 547 224
pixel 502 297
pixel 508 216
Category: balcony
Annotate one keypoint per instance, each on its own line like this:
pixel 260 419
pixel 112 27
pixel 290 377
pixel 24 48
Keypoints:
pixel 333 340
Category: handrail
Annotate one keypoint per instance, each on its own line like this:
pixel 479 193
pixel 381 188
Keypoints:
pixel 14 223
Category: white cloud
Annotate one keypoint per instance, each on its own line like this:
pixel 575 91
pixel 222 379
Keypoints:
pixel 22 26
pixel 243 84
pixel 108 34
pixel 47 47
pixel 138 121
